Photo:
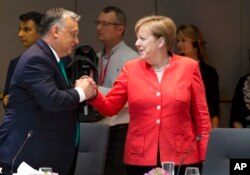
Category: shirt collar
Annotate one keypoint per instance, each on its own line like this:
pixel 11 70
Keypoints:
pixel 55 54
pixel 113 49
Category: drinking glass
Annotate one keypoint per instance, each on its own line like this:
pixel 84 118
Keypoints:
pixel 46 170
pixel 168 168
pixel 192 171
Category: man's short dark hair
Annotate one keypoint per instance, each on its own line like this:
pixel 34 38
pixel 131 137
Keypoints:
pixel 35 16
pixel 120 15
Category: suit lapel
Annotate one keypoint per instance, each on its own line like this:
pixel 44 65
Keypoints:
pixel 47 50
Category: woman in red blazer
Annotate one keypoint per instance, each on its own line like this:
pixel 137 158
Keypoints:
pixel 166 101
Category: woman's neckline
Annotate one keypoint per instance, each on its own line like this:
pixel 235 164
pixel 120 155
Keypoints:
pixel 162 67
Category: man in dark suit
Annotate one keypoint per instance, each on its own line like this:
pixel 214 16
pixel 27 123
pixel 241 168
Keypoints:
pixel 41 101
pixel 28 33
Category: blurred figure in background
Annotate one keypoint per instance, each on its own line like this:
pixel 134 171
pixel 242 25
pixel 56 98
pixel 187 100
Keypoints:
pixel 190 43
pixel 240 111
pixel 28 33
pixel 111 25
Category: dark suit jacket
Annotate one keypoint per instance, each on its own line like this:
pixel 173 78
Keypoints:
pixel 211 82
pixel 40 101
pixel 66 60
pixel 10 72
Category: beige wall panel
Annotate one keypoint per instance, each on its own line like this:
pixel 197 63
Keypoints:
pixel 90 11
pixel 225 26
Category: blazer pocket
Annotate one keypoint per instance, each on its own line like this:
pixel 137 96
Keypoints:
pixel 183 142
pixel 137 144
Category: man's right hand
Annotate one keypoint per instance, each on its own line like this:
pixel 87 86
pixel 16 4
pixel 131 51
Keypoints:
pixel 88 86
pixel 5 100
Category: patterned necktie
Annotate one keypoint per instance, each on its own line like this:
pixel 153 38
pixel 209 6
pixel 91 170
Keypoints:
pixel 61 65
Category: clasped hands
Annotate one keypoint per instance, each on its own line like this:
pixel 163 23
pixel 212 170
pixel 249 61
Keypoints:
pixel 88 85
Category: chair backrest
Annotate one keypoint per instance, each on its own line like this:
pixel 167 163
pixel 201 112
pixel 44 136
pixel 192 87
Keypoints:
pixel 92 149
pixel 225 144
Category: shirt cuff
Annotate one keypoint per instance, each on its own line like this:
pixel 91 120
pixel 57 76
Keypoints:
pixel 81 94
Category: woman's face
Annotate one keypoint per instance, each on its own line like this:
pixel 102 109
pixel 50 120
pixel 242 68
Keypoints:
pixel 147 45
pixel 185 46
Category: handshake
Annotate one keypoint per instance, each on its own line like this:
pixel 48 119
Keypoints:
pixel 88 85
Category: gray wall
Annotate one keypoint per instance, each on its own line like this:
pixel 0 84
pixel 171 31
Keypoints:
pixel 225 25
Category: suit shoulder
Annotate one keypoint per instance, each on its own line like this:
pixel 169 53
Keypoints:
pixel 127 50
pixel 203 63
pixel 14 61
pixel 208 68
pixel 243 78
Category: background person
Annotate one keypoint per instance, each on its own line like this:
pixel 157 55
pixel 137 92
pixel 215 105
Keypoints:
pixel 190 43
pixel 28 33
pixel 166 101
pixel 240 110
pixel 111 25
pixel 42 101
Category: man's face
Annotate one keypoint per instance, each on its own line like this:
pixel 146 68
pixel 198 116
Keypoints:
pixel 108 30
pixel 67 37
pixel 28 33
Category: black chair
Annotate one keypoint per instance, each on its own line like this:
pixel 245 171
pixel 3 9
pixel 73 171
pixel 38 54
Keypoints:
pixel 225 144
pixel 92 149
pixel 84 62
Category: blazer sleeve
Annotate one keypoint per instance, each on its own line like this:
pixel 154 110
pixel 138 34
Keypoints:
pixel 10 72
pixel 116 99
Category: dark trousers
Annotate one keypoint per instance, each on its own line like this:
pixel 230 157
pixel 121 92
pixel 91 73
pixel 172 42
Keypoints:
pixel 114 161
pixel 73 165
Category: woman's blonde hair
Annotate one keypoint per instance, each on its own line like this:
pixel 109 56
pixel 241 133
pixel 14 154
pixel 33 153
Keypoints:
pixel 159 26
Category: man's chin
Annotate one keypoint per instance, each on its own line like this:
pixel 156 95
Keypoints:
pixel 70 51
pixel 26 45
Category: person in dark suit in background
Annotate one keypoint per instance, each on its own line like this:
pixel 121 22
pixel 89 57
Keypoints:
pixel 42 102
pixel 28 33
pixel 190 43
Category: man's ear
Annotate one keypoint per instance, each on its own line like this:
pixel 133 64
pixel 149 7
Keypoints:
pixel 121 28
pixel 161 42
pixel 55 31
